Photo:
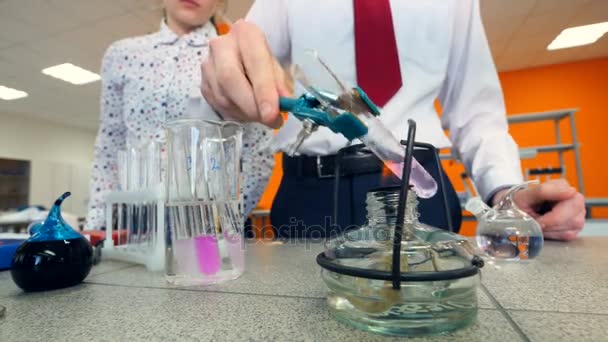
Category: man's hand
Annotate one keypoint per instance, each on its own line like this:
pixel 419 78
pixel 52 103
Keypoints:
pixel 241 79
pixel 567 215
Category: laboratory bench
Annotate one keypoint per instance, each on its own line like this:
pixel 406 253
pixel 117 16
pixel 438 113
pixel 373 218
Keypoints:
pixel 562 295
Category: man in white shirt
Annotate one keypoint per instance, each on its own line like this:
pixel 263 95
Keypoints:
pixel 440 52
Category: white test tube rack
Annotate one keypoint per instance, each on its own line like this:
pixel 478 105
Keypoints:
pixel 149 251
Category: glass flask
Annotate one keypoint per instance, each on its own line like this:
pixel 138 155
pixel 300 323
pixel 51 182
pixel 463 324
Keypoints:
pixel 439 273
pixel 204 207
pixel 55 256
pixel 505 232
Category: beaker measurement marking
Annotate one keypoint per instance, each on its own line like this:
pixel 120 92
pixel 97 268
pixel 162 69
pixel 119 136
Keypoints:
pixel 214 165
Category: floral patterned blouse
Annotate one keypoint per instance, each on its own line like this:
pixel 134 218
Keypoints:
pixel 146 81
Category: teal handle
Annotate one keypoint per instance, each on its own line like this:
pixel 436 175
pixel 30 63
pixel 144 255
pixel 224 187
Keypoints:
pixel 287 104
pixel 368 102
pixel 306 108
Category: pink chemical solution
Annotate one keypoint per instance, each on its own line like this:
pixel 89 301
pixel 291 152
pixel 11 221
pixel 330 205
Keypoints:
pixel 207 254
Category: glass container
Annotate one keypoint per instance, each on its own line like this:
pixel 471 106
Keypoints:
pixel 204 206
pixel 55 256
pixel 438 273
pixel 505 232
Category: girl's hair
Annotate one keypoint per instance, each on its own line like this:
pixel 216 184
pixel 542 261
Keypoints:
pixel 219 17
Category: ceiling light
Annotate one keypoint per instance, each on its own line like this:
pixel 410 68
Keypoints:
pixel 579 35
pixel 7 93
pixel 71 73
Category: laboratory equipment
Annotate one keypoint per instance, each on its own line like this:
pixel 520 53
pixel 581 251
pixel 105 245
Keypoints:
pixel 55 256
pixel 398 276
pixel 506 232
pixel 135 215
pixel 330 102
pixel 205 219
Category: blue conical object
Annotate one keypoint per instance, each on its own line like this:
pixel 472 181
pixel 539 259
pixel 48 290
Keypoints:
pixel 55 256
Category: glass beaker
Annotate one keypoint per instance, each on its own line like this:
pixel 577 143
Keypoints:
pixel 205 220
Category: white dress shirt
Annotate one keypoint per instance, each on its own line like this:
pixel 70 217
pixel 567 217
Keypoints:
pixel 148 80
pixel 443 54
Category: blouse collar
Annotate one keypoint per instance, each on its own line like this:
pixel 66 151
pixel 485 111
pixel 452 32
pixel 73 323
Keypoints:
pixel 196 38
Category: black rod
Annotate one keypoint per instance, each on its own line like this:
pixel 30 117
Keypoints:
pixel 405 184
pixel 444 193
pixel 336 192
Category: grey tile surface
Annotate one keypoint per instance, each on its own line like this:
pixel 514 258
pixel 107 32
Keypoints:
pixel 569 277
pixel 7 286
pixel 111 313
pixel 283 269
pixel 272 269
pixel 552 326
pixel 483 300
pixel 566 277
pixel 110 266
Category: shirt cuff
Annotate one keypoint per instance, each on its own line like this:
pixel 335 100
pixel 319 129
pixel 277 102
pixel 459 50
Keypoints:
pixel 490 196
pixel 494 180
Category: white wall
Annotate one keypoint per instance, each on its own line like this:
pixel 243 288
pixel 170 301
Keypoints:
pixel 61 158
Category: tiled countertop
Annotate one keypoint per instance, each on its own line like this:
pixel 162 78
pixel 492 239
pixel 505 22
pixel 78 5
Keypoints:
pixel 563 295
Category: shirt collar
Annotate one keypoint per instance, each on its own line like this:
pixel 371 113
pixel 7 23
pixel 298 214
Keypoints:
pixel 196 38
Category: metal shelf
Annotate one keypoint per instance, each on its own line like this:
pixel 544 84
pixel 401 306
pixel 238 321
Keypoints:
pixel 541 116
pixel 560 148
pixel 529 152
pixel 548 148
pixel 596 202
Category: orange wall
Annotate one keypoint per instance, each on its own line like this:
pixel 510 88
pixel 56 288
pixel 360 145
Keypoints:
pixel 582 85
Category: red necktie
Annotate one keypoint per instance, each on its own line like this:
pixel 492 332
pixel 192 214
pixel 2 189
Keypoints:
pixel 378 71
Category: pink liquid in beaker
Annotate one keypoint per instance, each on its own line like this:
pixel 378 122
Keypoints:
pixel 207 254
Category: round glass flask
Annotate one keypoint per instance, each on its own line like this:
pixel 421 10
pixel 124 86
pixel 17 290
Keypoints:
pixel 505 232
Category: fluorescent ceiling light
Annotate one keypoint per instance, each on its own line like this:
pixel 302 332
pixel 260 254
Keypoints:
pixel 71 73
pixel 579 35
pixel 7 93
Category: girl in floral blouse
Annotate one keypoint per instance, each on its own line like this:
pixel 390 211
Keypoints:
pixel 150 79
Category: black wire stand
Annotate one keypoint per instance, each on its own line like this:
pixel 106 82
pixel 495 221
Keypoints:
pixel 395 275
pixel 416 146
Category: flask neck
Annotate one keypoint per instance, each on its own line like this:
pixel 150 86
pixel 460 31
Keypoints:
pixel 382 208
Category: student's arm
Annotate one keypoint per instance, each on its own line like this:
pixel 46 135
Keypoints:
pixel 242 79
pixel 474 112
pixel 271 16
pixel 473 106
